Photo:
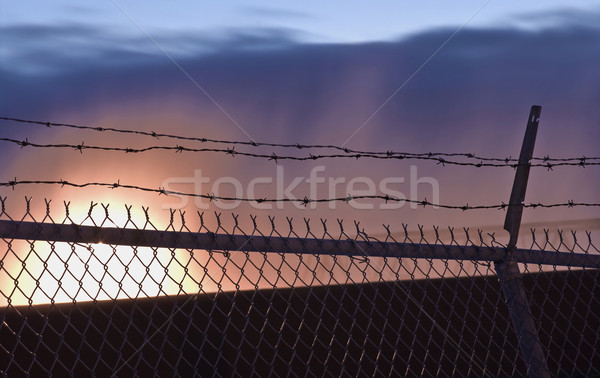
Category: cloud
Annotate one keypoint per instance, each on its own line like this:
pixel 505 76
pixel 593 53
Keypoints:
pixel 49 49
pixel 565 17
pixel 270 71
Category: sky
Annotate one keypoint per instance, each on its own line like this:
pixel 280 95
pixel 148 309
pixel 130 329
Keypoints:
pixel 314 21
pixel 402 76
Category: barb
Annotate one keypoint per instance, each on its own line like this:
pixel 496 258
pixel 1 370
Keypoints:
pixel 303 201
pixel 231 151
pixel 549 162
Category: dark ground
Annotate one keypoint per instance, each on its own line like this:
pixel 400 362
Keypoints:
pixel 366 330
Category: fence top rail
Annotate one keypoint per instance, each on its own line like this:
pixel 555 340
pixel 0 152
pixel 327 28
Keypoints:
pixel 74 233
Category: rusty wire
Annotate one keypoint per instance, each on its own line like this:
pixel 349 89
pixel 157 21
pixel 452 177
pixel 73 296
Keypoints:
pixel 439 157
pixel 302 201
pixel 583 162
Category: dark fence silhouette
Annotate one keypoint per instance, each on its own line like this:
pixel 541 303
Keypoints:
pixel 236 297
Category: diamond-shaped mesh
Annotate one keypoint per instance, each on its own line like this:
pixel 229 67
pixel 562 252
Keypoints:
pixel 86 308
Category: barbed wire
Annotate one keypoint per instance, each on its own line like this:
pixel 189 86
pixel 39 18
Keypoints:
pixel 231 151
pixel 304 201
pixel 385 154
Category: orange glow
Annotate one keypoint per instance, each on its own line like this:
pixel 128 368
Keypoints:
pixel 43 272
pixel 64 272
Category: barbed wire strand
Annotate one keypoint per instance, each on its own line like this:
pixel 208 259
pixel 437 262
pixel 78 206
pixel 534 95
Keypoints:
pixel 304 201
pixel 301 146
pixel 231 151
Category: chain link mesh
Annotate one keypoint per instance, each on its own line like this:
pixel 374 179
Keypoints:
pixel 102 309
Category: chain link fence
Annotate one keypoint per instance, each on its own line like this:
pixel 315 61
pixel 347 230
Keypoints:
pixel 216 295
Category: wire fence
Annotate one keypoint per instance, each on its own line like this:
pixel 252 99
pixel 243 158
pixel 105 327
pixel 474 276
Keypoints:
pixel 224 296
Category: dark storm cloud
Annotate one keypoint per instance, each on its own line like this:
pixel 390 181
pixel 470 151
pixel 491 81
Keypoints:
pixel 269 81
pixel 50 49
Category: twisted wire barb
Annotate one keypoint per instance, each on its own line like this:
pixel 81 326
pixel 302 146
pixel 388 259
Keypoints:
pixel 304 201
pixel 231 151
pixel 508 161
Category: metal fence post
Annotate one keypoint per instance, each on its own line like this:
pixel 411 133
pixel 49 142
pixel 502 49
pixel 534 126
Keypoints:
pixel 508 269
